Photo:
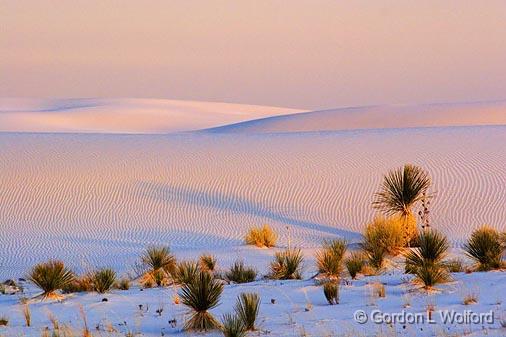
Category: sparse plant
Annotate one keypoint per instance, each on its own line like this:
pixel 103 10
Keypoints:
pixel 160 263
pixel 329 259
pixel 354 263
pixel 51 276
pixel 485 248
pixel 27 314
pixel 247 308
pixel 379 289
pixel 401 189
pixel 261 236
pixel 83 283
pixel 123 284
pixel 207 262
pixel 470 297
pixel 4 320
pixel 287 265
pixel 239 273
pixel 201 294
pixel 232 326
pixel 331 292
pixel 455 265
pixel 103 280
pixel 186 271
pixel 426 262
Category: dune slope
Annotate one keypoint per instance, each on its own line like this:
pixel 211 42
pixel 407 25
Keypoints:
pixel 377 117
pixel 123 115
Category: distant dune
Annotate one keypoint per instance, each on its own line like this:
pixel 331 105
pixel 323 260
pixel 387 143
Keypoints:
pixel 123 115
pixel 99 199
pixel 378 117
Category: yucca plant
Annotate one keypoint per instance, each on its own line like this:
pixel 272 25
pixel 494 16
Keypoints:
pixel 103 280
pixel 123 284
pixel 261 236
pixel 239 273
pixel 186 271
pixel 201 294
pixel 207 262
pixel 160 263
pixel 485 248
pixel 400 191
pixel 329 259
pixel 354 264
pixel 331 292
pixel 232 326
pixel 50 277
pixel 426 262
pixel 247 308
pixel 287 265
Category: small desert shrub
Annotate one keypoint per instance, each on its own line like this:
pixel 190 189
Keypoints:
pixel 378 289
pixel 103 280
pixel 287 265
pixel 83 283
pixel 387 233
pixel 354 264
pixel 239 273
pixel 201 294
pixel 50 277
pixel 261 236
pixel 331 292
pixel 186 271
pixel 470 297
pixel 207 262
pixel 4 320
pixel 123 284
pixel 455 265
pixel 27 314
pixel 485 248
pixel 160 263
pixel 427 261
pixel 232 326
pixel 247 308
pixel 329 259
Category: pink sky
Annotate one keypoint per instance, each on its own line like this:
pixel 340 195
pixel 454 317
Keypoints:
pixel 303 54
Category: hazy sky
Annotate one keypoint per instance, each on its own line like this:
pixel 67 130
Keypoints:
pixel 303 54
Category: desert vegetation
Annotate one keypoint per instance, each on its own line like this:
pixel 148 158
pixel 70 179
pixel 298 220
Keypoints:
pixel 287 265
pixel 50 277
pixel 263 236
pixel 240 273
pixel 160 264
pixel 329 259
pixel 103 280
pixel 485 248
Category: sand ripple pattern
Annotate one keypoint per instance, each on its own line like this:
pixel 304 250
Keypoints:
pixel 100 199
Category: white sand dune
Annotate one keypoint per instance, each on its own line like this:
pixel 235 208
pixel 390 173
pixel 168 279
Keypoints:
pixel 123 115
pixel 99 199
pixel 378 117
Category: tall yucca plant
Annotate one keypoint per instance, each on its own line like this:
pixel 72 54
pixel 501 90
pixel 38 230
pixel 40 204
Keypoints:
pixel 329 259
pixel 247 308
pixel 485 247
pixel 160 262
pixel 400 191
pixel 50 277
pixel 201 294
pixel 426 262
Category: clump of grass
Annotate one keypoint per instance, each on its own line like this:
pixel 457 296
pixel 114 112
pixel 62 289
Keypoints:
pixel 287 265
pixel 261 236
pixel 247 308
pixel 160 263
pixel 123 284
pixel 232 326
pixel 207 262
pixel 27 314
pixel 83 283
pixel 200 295
pixel 470 297
pixel 4 320
pixel 354 264
pixel 426 262
pixel 186 271
pixel 331 292
pixel 485 248
pixel 103 280
pixel 239 273
pixel 329 259
pixel 50 277
pixel 455 265
pixel 379 290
